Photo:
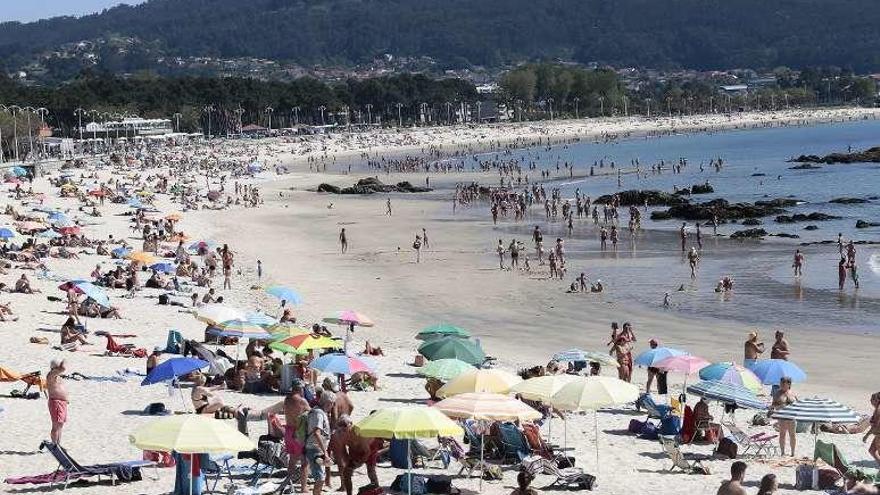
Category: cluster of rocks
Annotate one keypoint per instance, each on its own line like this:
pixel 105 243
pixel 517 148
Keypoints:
pixel 723 209
pixel 800 217
pixel 868 155
pixel 635 197
pixel 372 185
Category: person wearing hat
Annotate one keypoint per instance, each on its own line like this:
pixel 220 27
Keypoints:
pixel 58 399
pixel 153 359
pixel 753 350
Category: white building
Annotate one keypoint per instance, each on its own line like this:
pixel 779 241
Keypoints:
pixel 133 126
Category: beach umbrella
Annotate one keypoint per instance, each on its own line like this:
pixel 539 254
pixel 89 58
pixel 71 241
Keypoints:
pixel 817 410
pixel 343 364
pixel 591 393
pixel 98 193
pixel 573 355
pixel 241 329
pixel 261 319
pixel 442 330
pixel 213 195
pixel 19 171
pixel 285 294
pixel 770 371
pixel 142 257
pixel 202 245
pixel 174 217
pixel 444 369
pixel 654 356
pixel 12 180
pixel 164 267
pixel 88 289
pixel 302 343
pixel 733 374
pixel 349 317
pixel 280 331
pixel 190 434
pixel 120 252
pixel 69 230
pixel 484 406
pixel 135 203
pixel 542 388
pixel 7 233
pixel 216 313
pixel 172 369
pixel 407 423
pixel 30 226
pixel 453 348
pixel 727 393
pixel 49 234
pixel 688 365
pixel 488 380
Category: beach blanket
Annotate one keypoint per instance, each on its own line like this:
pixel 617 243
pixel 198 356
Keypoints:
pixel 125 350
pixel 40 479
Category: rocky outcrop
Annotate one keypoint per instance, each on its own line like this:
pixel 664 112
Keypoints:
pixel 635 197
pixel 805 166
pixel 720 207
pixel 868 155
pixel 749 234
pixel 811 227
pixel 800 217
pixel 848 201
pixel 372 185
pixel 862 224
pixel 751 222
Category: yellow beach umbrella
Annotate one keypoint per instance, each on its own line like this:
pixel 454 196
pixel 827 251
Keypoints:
pixel 142 257
pixel 190 434
pixel 495 381
pixel 407 423
pixel 486 406
pixel 283 330
pixel 542 388
pixel 594 392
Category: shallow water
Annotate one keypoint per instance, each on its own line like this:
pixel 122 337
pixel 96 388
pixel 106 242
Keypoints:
pixel 766 292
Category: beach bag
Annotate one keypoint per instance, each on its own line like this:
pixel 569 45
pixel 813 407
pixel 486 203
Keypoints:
pixel 370 489
pixel 565 462
pixel 586 481
pixel 492 473
pixel 635 426
pixel 649 432
pixel 439 484
pixel 156 409
pixel 804 477
pixel 828 479
pixel 413 484
pixel 760 420
pixel 727 448
pixel 670 425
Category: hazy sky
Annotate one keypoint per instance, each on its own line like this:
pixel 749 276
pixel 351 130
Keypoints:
pixel 32 10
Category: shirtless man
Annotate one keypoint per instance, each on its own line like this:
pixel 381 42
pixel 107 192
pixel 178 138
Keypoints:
pixel 58 399
pixel 294 407
pixel 355 452
pixel 734 485
pixel 798 263
pixel 343 240
pixel 752 349
pixel 693 259
pixel 780 349
pixel 682 234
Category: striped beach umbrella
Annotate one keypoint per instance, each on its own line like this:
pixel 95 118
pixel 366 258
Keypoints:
pixel 732 373
pixel 817 410
pixel 343 364
pixel 770 371
pixel 727 393
pixel 239 328
pixel 572 355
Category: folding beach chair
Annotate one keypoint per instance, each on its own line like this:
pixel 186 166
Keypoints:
pixel 654 410
pixel 671 448
pixel 513 443
pixel 829 453
pixel 455 451
pixel 761 443
pixel 117 471
pixel 567 477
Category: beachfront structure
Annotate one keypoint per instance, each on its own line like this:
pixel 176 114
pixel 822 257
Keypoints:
pixel 135 126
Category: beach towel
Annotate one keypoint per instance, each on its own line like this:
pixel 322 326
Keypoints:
pixel 125 350
pixel 40 479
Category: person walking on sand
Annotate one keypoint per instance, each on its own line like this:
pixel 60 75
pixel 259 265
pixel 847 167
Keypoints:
pixel 798 263
pixel 417 245
pixel 682 234
pixel 388 207
pixel 693 259
pixel 699 237
pixel 874 429
pixel 425 238
pixel 58 399
pixel 500 251
pixel 343 241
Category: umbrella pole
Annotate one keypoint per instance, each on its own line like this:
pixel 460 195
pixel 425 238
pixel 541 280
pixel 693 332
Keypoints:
pixel 408 467
pixel 482 463
pixel 596 432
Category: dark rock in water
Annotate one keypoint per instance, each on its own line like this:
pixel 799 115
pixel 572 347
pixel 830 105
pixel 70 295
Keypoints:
pixel 868 155
pixel 848 201
pixel 778 202
pixel 372 185
pixel 751 221
pixel 800 217
pixel 788 236
pixel 328 188
pixel 805 166
pixel 722 208
pixel 759 175
pixel 749 234
pixel 702 188
pixel 862 224
pixel 660 215
pixel 811 227
pixel 633 197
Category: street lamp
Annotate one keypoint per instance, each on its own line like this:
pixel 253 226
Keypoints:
pixel 3 108
pixel 296 114
pixel 269 111
pixel 625 106
pixel 209 109
pixel 602 106
pixel 29 110
pixel 79 113
pixel 369 113
pixel 550 102
pixel 177 116
pixel 479 111
pixel 648 103
pixel 321 109
pixel 577 100
pixel 399 115
pixel 42 113
pixel 448 108
pixel 15 109
pixel 669 106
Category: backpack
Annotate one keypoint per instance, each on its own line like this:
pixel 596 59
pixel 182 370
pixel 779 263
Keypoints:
pixel 409 483
pixel 439 484
pixel 301 429
pixel 727 448
pixel 370 489
pixel 635 426
pixel 649 432
pixel 803 477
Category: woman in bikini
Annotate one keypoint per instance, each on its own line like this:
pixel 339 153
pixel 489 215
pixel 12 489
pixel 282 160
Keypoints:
pixel 782 397
pixel 203 398
pixel 874 447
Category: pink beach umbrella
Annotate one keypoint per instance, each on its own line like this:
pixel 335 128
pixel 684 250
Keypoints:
pixel 350 319
pixel 687 365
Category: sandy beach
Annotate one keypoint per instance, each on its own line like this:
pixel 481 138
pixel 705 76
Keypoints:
pixel 520 318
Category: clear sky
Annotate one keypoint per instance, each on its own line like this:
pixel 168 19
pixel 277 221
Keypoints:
pixel 32 10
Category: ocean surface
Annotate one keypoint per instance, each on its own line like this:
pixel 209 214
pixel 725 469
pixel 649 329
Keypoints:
pixel 755 168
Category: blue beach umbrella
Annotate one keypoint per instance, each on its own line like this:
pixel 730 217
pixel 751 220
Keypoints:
pixel 654 356
pixel 173 368
pixel 6 233
pixel 284 293
pixel 49 234
pixel 260 318
pixel 19 171
pixel 343 364
pixel 727 393
pixel 770 371
pixel 135 203
pixel 164 267
pixel 121 252
pixel 89 290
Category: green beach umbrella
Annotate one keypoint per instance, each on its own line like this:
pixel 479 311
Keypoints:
pixel 442 330
pixel 444 369
pixel 453 348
